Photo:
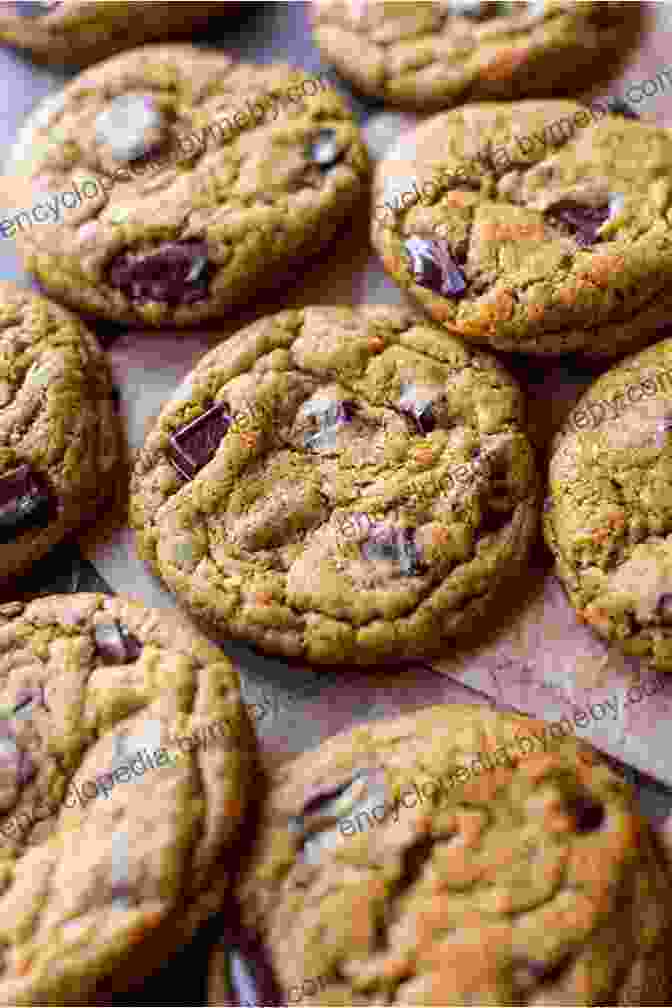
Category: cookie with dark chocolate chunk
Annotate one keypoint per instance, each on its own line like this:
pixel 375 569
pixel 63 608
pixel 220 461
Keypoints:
pixel 60 442
pixel 81 32
pixel 432 55
pixel 609 519
pixel 120 803
pixel 540 227
pixel 453 856
pixel 183 183
pixel 340 485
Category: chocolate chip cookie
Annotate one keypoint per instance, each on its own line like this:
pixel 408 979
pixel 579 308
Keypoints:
pixel 191 182
pixel 84 31
pixel 427 56
pixel 609 516
pixel 454 856
pixel 337 485
pixel 541 227
pixel 114 845
pixel 60 442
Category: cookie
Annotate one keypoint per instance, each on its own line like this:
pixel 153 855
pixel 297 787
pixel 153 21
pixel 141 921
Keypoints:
pixel 60 443
pixel 105 876
pixel 609 515
pixel 428 56
pixel 541 227
pixel 181 183
pixel 454 856
pixel 339 485
pixel 80 32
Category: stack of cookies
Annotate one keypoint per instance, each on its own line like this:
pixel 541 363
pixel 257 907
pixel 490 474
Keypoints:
pixel 346 486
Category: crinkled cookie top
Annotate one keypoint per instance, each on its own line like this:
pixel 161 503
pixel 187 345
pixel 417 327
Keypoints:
pixel 432 55
pixel 98 857
pixel 198 177
pixel 540 227
pixel 59 436
pixel 457 856
pixel 338 484
pixel 609 516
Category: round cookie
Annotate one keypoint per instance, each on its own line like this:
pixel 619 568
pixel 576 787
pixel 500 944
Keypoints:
pixel 455 856
pixel 428 56
pixel 60 441
pixel 183 183
pixel 609 515
pixel 541 227
pixel 104 876
pixel 84 31
pixel 338 485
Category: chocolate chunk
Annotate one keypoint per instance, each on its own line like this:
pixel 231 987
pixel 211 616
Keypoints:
pixel 588 814
pixel 177 273
pixel 330 416
pixel 583 221
pixel 115 644
pixel 388 543
pixel 433 266
pixel 533 972
pixel 421 413
pixel 409 555
pixel 31 8
pixel 26 768
pixel 324 149
pixel 470 9
pixel 191 447
pixel 24 503
pixel 664 609
pixel 617 106
pixel 249 973
pixel 131 125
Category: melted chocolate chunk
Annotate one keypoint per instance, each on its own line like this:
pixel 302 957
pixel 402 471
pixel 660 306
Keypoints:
pixel 27 699
pixel 398 545
pixel 617 106
pixel 587 812
pixel 583 221
pixel 320 798
pixel 177 273
pixel 130 125
pixel 191 447
pixel 26 768
pixel 24 503
pixel 30 8
pixel 249 973
pixel 115 644
pixel 433 266
pixel 421 413
pixel 664 609
pixel 324 150
pixel 533 972
pixel 330 418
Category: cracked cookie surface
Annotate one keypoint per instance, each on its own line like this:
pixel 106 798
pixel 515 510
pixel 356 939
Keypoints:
pixel 105 868
pixel 84 31
pixel 608 519
pixel 60 439
pixel 456 856
pixel 199 180
pixel 336 484
pixel 540 227
pixel 426 56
